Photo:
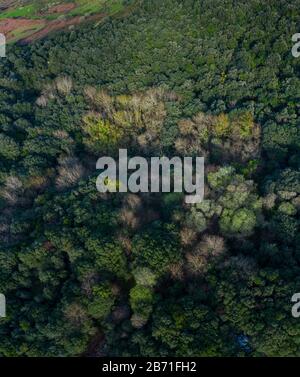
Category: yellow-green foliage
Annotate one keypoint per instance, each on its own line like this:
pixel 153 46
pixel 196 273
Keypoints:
pixel 222 125
pixel 240 125
pixel 123 118
pixel 113 185
pixel 228 136
pixel 100 133
pixel 132 119
pixel 243 124
pixel 123 100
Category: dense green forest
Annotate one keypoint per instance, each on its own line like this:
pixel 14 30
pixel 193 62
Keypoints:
pixel 121 274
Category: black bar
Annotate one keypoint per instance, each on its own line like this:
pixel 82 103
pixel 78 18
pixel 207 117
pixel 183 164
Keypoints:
pixel 146 366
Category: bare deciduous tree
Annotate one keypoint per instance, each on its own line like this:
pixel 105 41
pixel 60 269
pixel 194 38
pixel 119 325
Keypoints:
pixel 212 246
pixel 76 314
pixel 138 321
pixel 64 85
pixel 70 171
pixel 12 188
pixel 187 236
pixel 177 270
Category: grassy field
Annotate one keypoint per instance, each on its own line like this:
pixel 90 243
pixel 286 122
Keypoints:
pixel 88 7
pixel 50 12
pixel 27 11
pixel 24 32
pixel 96 6
pixel 37 9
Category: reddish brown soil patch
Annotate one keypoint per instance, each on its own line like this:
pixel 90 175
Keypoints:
pixel 10 24
pixel 52 26
pixel 62 8
pixel 56 25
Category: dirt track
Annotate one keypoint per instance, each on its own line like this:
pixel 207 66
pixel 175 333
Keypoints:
pixel 62 8
pixel 7 26
pixel 56 25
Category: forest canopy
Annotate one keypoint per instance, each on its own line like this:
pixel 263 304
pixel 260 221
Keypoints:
pixel 122 274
